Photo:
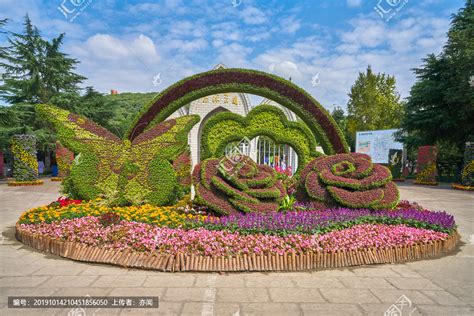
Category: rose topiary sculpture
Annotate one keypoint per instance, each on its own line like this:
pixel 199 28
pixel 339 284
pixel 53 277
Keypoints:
pixel 237 184
pixel 350 180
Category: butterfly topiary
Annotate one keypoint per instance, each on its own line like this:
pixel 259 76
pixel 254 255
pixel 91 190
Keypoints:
pixel 122 171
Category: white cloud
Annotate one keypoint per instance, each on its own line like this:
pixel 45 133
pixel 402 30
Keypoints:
pixel 105 46
pixel 227 31
pixel 187 46
pixel 234 55
pixel 354 3
pixel 252 15
pixel 285 69
pixel 290 25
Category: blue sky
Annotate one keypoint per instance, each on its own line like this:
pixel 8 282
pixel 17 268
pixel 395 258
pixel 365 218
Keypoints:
pixel 123 45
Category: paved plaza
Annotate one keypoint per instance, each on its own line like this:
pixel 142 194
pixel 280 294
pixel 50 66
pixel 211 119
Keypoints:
pixel 441 286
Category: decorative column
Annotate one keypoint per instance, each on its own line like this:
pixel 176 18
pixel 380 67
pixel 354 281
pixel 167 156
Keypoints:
pixel 426 170
pixel 395 164
pixel 25 164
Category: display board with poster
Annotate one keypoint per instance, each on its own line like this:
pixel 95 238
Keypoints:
pixel 377 144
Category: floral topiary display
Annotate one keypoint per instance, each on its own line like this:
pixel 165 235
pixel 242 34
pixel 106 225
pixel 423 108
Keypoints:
pixel 395 163
pixel 123 172
pixel 64 159
pixel 25 165
pixel 226 127
pixel 426 165
pixel 319 121
pixel 182 167
pixel 122 204
pixel 230 186
pixel 350 180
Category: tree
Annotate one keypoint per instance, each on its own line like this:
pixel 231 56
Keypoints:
pixel 440 108
pixel 341 120
pixel 35 69
pixel 373 103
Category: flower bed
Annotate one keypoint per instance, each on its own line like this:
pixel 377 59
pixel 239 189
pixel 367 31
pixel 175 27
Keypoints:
pixel 425 182
pixel 145 237
pixel 462 187
pixel 320 222
pixel 183 239
pixel 156 215
pixel 24 183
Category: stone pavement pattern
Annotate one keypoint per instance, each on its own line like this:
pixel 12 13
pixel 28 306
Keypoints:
pixel 442 286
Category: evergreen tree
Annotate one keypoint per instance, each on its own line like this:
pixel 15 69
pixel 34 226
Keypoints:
pixel 440 108
pixel 35 69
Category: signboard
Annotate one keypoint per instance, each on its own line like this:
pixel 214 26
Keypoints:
pixel 377 144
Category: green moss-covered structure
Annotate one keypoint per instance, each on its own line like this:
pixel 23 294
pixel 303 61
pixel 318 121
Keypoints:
pixel 124 172
pixel 264 120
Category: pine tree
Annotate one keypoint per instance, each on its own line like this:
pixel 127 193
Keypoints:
pixel 440 108
pixel 35 69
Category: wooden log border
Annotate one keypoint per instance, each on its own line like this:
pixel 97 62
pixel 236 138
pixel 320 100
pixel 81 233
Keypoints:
pixel 243 263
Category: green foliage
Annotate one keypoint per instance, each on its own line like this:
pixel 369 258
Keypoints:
pixel 21 118
pixel 287 203
pixel 264 120
pixel 35 68
pixel 449 161
pixel 373 103
pixel 164 183
pixel 341 120
pixel 120 171
pixel 440 108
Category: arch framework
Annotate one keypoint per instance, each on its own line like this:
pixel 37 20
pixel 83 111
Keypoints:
pixel 277 89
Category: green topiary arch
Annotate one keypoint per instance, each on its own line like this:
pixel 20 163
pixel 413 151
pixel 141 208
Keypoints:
pixel 282 91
